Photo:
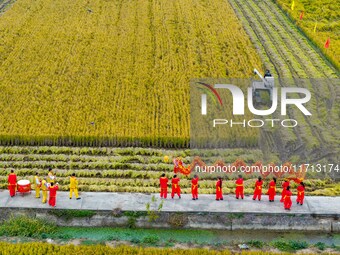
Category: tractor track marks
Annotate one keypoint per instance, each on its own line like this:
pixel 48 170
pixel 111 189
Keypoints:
pixel 291 55
pixel 274 55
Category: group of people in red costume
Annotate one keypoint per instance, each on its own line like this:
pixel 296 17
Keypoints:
pixel 286 193
pixel 175 187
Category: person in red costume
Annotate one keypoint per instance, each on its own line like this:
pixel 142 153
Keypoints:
pixel 219 193
pixel 164 186
pixel 12 183
pixel 239 187
pixel 287 201
pixel 194 187
pixel 285 184
pixel 272 190
pixel 300 193
pixel 175 188
pixel 258 189
pixel 53 194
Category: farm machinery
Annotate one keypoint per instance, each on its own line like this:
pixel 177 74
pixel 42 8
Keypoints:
pixel 266 84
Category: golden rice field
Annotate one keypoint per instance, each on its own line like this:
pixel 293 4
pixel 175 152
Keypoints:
pixel 44 248
pixel 321 20
pixel 112 73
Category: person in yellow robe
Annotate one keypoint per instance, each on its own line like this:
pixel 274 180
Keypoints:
pixel 50 176
pixel 74 186
pixel 44 188
pixel 37 185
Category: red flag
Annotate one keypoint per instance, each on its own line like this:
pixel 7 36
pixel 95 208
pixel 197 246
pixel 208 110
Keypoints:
pixel 301 15
pixel 327 43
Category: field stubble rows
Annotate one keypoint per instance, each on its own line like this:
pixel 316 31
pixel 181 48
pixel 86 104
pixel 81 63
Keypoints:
pixel 134 169
pixel 288 54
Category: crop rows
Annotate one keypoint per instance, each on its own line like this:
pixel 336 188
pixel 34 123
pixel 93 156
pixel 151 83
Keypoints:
pixel 129 169
pixel 289 55
pixel 322 14
pixel 112 73
pixel 34 248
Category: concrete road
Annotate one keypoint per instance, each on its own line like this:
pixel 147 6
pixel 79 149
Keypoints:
pixel 205 203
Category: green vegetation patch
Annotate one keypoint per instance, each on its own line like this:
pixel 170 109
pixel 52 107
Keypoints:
pixel 69 214
pixel 26 227
pixel 290 245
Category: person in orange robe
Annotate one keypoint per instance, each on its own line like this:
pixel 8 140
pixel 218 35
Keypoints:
pixel 219 193
pixel 239 187
pixel 301 193
pixel 194 187
pixel 175 188
pixel 272 190
pixel 53 194
pixel 285 184
pixel 12 183
pixel 164 186
pixel 258 189
pixel 287 201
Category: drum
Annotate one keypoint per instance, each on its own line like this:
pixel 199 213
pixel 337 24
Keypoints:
pixel 24 186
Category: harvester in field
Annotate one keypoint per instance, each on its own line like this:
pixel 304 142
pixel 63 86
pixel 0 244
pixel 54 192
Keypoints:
pixel 265 85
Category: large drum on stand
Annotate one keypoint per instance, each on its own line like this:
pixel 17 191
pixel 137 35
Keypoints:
pixel 24 186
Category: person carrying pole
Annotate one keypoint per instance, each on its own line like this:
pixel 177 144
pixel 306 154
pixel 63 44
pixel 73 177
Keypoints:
pixel 219 192
pixel 285 184
pixel 194 187
pixel 163 182
pixel 272 190
pixel 175 188
pixel 258 189
pixel 300 193
pixel 287 201
pixel 239 187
